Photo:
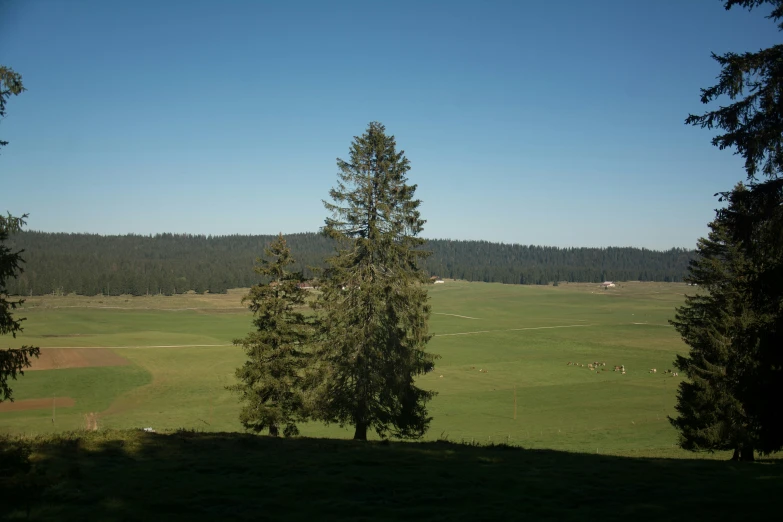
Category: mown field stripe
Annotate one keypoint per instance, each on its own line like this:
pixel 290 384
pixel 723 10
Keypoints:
pixel 134 347
pixel 518 329
pixel 455 315
pixel 143 308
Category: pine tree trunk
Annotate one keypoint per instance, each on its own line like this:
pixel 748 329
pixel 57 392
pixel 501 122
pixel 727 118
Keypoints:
pixel 747 455
pixel 273 430
pixel 736 455
pixel 360 413
pixel 361 431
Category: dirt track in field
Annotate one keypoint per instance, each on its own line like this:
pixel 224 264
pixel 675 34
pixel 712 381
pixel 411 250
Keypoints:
pixel 36 404
pixel 58 358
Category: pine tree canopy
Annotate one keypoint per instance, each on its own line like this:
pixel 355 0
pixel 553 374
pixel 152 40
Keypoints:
pixel 374 297
pixel 753 124
pixel 755 217
pixel 736 333
pixel 272 380
pixel 711 417
pixel 10 84
pixel 12 361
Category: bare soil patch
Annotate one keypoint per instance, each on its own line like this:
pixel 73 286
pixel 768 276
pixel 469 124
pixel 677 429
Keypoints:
pixel 36 404
pixel 64 335
pixel 58 358
pixel 231 299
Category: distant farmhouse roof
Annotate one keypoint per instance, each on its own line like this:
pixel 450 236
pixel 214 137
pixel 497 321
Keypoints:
pixel 607 284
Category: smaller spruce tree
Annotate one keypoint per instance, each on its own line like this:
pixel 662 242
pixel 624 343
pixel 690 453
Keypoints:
pixel 272 380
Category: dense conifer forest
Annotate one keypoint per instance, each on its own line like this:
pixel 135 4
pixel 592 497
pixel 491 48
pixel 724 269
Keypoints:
pixel 92 264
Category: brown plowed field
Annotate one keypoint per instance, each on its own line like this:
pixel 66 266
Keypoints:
pixel 36 404
pixel 57 358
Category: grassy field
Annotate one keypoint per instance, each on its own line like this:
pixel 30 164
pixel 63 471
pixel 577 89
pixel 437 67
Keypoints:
pixel 521 336
pixel 583 445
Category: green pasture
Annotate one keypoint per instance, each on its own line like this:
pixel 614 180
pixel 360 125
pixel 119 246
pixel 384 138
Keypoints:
pixel 102 327
pixel 522 336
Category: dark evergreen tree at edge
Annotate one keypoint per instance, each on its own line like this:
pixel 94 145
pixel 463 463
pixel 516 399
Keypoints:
pixel 711 415
pixel 756 218
pixel 12 361
pixel 752 125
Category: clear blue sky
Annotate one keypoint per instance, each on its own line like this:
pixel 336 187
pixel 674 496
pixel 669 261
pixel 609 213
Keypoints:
pixel 553 123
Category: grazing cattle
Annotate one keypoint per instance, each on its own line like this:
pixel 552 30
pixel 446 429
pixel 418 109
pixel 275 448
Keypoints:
pixel 618 368
pixel 653 370
pixel 623 372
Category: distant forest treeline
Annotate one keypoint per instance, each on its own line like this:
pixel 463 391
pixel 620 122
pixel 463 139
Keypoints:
pixel 91 264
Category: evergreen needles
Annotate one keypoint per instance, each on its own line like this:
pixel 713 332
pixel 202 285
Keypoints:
pixel 374 299
pixel 355 362
pixel 272 381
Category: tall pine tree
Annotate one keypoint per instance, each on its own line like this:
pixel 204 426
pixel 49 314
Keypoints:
pixel 753 126
pixel 711 415
pixel 12 361
pixel 756 218
pixel 272 381
pixel 374 297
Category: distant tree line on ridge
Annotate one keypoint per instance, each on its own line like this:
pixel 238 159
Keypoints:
pixel 91 264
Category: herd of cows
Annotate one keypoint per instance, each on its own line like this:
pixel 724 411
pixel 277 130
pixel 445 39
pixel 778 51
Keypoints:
pixel 599 366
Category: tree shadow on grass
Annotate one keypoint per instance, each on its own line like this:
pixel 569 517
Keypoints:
pixel 132 475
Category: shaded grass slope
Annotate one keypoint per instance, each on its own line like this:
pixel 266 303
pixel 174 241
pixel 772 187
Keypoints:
pixel 132 475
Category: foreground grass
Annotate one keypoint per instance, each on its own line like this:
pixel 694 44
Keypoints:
pixel 132 475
